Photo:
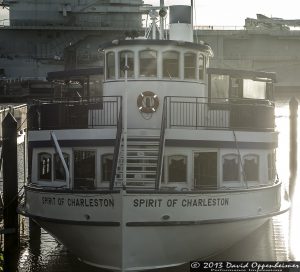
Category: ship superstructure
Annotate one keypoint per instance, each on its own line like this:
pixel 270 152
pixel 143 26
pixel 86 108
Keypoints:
pixel 43 36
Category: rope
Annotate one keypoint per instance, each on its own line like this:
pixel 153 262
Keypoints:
pixel 15 197
pixel 19 128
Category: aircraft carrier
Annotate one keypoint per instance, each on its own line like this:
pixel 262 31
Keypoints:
pixel 38 37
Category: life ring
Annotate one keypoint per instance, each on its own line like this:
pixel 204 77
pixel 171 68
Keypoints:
pixel 147 102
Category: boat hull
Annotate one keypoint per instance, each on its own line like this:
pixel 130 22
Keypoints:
pixel 132 231
pixel 148 247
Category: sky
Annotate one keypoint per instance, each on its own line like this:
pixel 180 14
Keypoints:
pixel 233 12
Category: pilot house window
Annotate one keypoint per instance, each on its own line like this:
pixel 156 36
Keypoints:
pixel 130 64
pixel 254 89
pixel 190 66
pixel 148 63
pixel 170 64
pixel 201 66
pixel 45 166
pixel 219 86
pixel 110 65
pixel 177 168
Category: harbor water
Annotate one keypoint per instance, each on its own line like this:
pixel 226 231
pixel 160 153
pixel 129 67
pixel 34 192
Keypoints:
pixel 277 240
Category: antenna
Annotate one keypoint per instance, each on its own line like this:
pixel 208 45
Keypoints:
pixel 162 13
pixel 161 21
pixel 192 6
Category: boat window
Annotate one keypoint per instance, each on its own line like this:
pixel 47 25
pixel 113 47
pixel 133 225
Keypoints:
pixel 110 65
pixel 254 89
pixel 236 87
pixel 84 169
pixel 130 64
pixel 205 169
pixel 148 63
pixel 170 64
pixel 219 86
pixel 190 65
pixel 107 161
pixel 269 91
pixel 59 171
pixel 177 168
pixel 231 167
pixel 201 66
pixel 45 166
pixel 271 166
pixel 251 164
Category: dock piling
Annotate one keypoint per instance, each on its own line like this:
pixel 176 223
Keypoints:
pixel 10 183
pixel 293 104
pixel 10 192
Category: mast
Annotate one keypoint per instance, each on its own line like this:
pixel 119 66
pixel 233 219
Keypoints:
pixel 192 13
pixel 161 21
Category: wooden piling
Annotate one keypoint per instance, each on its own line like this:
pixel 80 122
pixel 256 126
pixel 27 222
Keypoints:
pixel 10 183
pixel 293 144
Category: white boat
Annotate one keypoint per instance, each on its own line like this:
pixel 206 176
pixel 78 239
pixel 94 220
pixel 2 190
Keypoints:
pixel 175 162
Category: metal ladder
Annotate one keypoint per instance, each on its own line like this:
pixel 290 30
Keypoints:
pixel 142 159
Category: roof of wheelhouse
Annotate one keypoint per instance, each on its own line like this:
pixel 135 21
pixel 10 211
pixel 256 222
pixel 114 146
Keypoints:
pixel 243 73
pixel 204 47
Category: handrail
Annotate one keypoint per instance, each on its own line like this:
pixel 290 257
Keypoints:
pixel 238 114
pixel 218 27
pixel 161 145
pixel 75 113
pixel 225 100
pixel 61 156
pixel 117 147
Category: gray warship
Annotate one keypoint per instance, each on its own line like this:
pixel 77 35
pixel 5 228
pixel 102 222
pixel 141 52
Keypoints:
pixel 45 36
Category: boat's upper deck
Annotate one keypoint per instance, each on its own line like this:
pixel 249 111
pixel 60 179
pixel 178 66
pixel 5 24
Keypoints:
pixel 236 99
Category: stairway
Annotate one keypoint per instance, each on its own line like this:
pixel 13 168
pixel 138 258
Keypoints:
pixel 142 159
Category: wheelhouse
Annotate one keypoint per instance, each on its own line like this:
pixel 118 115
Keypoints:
pixel 156 59
pixel 223 138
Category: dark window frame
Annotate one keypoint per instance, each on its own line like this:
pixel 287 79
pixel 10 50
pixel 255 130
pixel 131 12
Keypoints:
pixel 103 173
pixel 173 176
pixel 249 174
pixel 88 182
pixel 231 157
pixel 40 166
pixel 213 182
pixel 67 160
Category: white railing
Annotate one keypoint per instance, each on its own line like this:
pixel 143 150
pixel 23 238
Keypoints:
pixel 213 27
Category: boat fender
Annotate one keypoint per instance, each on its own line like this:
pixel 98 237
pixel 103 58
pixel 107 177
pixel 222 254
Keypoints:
pixel 147 102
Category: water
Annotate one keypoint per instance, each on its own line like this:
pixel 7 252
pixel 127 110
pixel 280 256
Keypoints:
pixel 277 240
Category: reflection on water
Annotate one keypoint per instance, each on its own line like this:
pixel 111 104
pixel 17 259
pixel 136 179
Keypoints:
pixel 269 243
